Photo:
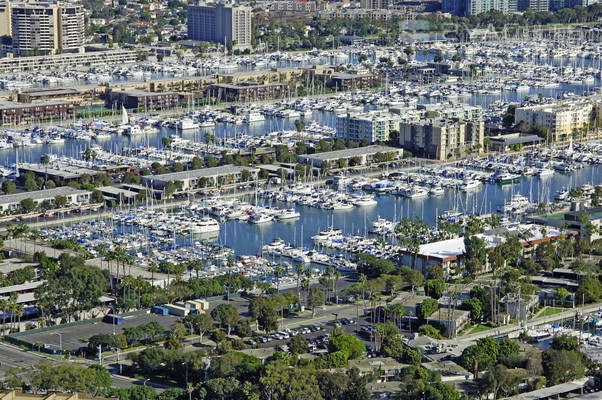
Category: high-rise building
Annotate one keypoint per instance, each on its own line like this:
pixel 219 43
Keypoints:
pixel 374 126
pixel 4 18
pixel 441 138
pixel 474 7
pixel 535 5
pixel 46 28
pixel 374 4
pixel 222 23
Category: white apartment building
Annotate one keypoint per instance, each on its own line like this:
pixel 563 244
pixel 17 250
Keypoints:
pixel 561 119
pixel 45 28
pixel 374 126
pixel 220 23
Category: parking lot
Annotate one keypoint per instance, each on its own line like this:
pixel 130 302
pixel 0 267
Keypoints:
pixel 72 337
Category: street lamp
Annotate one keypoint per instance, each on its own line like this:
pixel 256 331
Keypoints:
pixel 187 388
pixel 60 340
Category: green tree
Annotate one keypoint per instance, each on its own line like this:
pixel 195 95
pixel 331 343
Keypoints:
pixel 426 309
pixel 315 299
pixel 28 205
pixel 348 344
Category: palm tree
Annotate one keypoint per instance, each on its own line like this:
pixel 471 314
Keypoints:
pixel 305 287
pixel 363 279
pixel 299 272
pixel 197 265
pixel 127 281
pixel 3 307
pixel 278 271
pixel 329 273
pixel 230 263
pixel 152 269
pixel 337 276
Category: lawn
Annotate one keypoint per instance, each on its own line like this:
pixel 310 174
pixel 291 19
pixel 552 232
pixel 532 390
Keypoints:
pixel 546 312
pixel 479 328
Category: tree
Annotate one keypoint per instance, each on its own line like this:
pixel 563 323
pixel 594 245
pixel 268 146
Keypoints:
pixel 500 380
pixel 60 201
pixel 393 283
pixel 265 312
pixel 561 366
pixel 475 307
pixel 315 299
pixel 202 323
pixel 435 288
pixel 9 187
pixel 426 309
pixel 28 205
pixel 225 314
pixel 348 344
pixel 298 345
pixel 589 290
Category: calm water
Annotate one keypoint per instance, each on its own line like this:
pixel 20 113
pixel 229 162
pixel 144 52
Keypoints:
pixel 247 238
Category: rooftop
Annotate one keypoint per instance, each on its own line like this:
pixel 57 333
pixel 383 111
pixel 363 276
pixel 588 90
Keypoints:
pixel 522 139
pixel 50 92
pixel 62 170
pixel 41 194
pixel 9 105
pixel 347 153
pixel 552 391
pixel 247 85
pixel 199 173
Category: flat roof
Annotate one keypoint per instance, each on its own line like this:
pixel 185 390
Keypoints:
pixel 112 190
pixel 19 288
pixel 138 92
pixel 13 264
pixel 199 173
pixel 247 86
pixel 41 194
pixel 552 391
pixel 456 314
pixel 61 170
pixel 9 105
pixel 508 141
pixel 50 92
pixel 358 151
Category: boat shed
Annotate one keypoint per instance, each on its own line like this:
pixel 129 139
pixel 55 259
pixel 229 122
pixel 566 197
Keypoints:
pixel 74 197
pixel 503 143
pixel 366 155
pixel 200 178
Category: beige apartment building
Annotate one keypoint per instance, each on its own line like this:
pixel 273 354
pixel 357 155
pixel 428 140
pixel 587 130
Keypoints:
pixel 374 4
pixel 561 119
pixel 441 139
pixel 39 28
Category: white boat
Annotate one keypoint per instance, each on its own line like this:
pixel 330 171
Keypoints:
pixel 469 185
pixel 415 192
pixel 288 214
pixel 253 117
pixel 186 124
pixel 206 124
pixel 260 219
pixel 205 225
pixel 436 191
pixel 133 130
pixel 517 204
pixel 544 172
pixel 364 201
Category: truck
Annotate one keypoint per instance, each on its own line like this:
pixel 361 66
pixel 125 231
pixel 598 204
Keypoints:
pixel 113 319
pixel 177 310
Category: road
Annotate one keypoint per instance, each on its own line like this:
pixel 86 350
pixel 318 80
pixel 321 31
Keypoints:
pixel 11 356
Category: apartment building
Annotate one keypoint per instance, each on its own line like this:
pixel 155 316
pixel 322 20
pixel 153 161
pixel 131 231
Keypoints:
pixel 374 4
pixel 4 18
pixel 45 27
pixel 561 119
pixel 441 138
pixel 222 23
pixel 68 60
pixel 374 126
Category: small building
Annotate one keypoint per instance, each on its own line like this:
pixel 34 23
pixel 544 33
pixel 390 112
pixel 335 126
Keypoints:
pixel 504 143
pixel 248 91
pixel 366 155
pixel 452 320
pixel 141 100
pixel 201 178
pixel 30 96
pixel 60 172
pixel 12 113
pixel 387 367
pixel 518 307
pixel 347 81
pixel 74 197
